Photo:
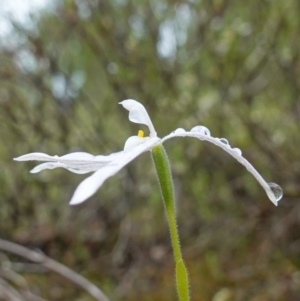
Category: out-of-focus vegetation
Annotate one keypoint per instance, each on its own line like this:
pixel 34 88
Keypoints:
pixel 232 66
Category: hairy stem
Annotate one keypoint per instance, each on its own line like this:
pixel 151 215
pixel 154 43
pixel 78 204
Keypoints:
pixel 163 170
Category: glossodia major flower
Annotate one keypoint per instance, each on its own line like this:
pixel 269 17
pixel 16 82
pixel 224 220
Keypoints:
pixel 107 166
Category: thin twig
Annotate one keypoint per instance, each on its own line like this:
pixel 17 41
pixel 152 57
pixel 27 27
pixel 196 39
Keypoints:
pixel 54 266
pixel 9 291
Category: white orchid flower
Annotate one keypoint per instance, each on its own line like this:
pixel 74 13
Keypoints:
pixel 107 166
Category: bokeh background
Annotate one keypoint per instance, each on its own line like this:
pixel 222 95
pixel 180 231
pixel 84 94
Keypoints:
pixel 232 66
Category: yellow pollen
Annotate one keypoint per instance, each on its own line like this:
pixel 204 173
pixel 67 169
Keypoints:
pixel 141 133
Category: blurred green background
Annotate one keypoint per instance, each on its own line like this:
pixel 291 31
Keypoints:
pixel 232 66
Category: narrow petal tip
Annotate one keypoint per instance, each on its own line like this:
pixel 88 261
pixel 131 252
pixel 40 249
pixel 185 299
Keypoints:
pixel 129 103
pixel 74 202
pixel 89 186
pixel 79 198
pixel 34 156
pixel 21 158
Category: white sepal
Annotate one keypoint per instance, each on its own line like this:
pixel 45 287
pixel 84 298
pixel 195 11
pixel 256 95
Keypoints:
pixel 203 133
pixel 90 185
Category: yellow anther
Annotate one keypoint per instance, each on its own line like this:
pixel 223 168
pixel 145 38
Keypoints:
pixel 141 133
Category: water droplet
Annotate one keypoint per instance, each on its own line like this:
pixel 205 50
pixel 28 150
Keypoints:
pixel 237 151
pixel 179 131
pixel 224 140
pixel 277 191
pixel 201 130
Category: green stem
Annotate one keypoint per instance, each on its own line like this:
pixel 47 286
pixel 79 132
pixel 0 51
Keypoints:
pixel 163 170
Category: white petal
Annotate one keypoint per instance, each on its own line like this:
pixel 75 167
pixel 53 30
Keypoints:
pixel 236 153
pixel 138 114
pixel 52 165
pixel 48 165
pixel 78 156
pixel 133 141
pixel 108 158
pixel 91 184
pixel 36 157
pixel 81 158
pixel 79 162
